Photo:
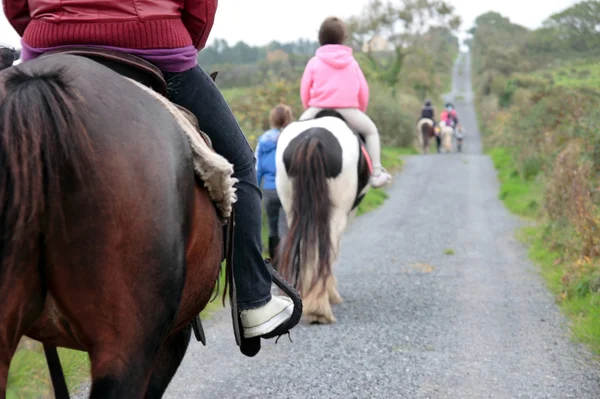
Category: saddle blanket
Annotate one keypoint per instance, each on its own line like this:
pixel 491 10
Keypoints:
pixel 213 169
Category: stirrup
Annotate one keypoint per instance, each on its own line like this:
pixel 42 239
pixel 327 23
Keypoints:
pixel 251 346
pixel 294 296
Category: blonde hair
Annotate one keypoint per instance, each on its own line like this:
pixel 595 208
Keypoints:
pixel 280 116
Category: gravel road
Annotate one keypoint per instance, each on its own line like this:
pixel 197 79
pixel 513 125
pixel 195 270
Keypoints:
pixel 417 321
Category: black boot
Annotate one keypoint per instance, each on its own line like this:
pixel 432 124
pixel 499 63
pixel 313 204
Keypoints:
pixel 273 243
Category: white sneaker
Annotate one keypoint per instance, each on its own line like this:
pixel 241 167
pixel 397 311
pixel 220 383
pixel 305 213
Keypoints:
pixel 263 320
pixel 380 178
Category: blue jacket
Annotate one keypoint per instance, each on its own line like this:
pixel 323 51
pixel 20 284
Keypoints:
pixel 265 158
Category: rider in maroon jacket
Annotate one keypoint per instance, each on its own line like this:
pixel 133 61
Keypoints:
pixel 169 33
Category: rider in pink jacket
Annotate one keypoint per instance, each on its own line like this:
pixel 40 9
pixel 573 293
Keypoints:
pixel 333 79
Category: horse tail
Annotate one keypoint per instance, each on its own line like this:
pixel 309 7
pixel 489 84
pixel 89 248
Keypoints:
pixel 308 239
pixel 43 142
pixel 425 132
pixel 425 128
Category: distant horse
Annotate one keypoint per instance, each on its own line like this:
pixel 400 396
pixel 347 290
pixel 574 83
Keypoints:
pixel 425 132
pixel 107 243
pixel 446 133
pixel 8 56
pixel 322 175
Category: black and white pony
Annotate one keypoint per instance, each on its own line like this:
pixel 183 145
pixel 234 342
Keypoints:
pixel 323 173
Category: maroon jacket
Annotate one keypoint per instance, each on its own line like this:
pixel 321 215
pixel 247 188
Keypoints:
pixel 134 24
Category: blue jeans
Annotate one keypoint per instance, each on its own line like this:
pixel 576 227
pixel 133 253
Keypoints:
pixel 195 91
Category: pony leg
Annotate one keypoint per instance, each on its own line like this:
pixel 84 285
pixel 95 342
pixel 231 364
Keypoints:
pixel 168 361
pixel 122 362
pixel 120 374
pixel 334 296
pixel 316 305
pixel 23 303
pixel 338 226
pixel 318 302
pixel 136 370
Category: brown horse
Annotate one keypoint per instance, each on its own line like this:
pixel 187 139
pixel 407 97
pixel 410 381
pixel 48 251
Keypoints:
pixel 425 132
pixel 107 244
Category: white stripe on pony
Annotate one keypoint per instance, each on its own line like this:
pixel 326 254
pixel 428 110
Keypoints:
pixel 446 131
pixel 316 283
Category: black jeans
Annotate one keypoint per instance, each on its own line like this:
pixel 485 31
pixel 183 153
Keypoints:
pixel 273 208
pixel 195 91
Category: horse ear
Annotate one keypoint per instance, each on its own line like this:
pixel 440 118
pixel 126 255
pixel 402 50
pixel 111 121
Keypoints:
pixel 213 75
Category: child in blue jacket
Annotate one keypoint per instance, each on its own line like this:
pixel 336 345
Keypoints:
pixel 280 117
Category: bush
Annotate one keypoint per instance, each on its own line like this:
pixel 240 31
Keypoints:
pixel 252 109
pixel 395 117
pixel 530 81
pixel 531 167
pixel 498 85
pixel 556 139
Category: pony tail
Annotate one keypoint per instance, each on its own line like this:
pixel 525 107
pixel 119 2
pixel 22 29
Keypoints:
pixel 43 140
pixel 308 240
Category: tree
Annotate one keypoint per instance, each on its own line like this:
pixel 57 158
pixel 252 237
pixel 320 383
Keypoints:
pixel 497 45
pixel 401 24
pixel 578 26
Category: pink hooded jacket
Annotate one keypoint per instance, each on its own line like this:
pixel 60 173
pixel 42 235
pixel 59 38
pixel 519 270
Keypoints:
pixel 333 79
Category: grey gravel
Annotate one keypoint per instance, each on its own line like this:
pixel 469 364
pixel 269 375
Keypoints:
pixel 416 322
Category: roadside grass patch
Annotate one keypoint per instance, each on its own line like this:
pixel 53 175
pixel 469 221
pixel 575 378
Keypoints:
pixel 28 376
pixel 582 74
pixel 574 281
pixel 449 251
pixel 577 293
pixel 522 197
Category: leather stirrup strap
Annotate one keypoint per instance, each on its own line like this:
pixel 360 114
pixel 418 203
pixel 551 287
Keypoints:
pixel 251 346
pixel 57 376
pixel 294 296
pixel 248 346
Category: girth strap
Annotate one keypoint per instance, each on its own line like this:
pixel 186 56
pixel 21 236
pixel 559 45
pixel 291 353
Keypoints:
pixel 57 376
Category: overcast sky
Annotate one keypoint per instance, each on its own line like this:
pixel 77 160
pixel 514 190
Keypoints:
pixel 260 21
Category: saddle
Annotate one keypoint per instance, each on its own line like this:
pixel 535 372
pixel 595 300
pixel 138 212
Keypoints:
pixel 365 165
pixel 135 68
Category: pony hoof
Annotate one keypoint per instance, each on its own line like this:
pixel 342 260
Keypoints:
pixel 314 318
pixel 336 299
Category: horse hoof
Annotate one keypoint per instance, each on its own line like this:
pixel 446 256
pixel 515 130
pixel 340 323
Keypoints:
pixel 335 299
pixel 314 318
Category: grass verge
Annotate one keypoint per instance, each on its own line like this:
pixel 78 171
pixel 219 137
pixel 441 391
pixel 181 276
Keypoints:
pixel 28 376
pixel 574 282
pixel 520 196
